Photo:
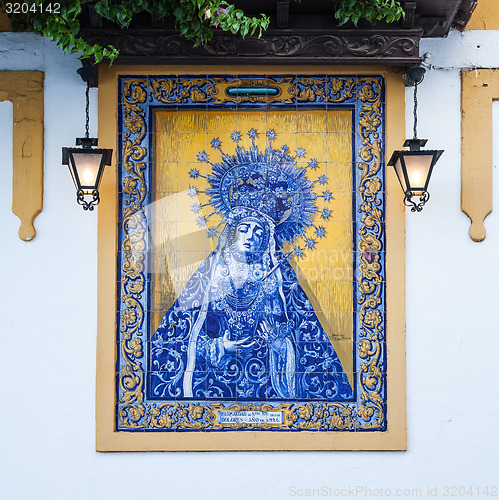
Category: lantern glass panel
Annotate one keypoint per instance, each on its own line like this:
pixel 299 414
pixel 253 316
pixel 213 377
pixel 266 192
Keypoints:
pixel 72 171
pixel 418 167
pixel 400 173
pixel 87 168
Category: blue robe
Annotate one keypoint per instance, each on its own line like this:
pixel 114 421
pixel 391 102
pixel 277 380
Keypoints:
pixel 284 353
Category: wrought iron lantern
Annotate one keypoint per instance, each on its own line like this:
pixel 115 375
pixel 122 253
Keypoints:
pixel 414 166
pixel 86 165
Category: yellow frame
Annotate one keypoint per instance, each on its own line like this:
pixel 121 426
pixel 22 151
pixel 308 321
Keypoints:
pixel 394 438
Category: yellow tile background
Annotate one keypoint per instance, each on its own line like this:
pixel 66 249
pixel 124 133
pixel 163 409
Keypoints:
pixel 325 273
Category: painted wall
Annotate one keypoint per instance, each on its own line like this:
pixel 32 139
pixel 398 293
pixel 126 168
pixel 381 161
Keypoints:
pixel 48 330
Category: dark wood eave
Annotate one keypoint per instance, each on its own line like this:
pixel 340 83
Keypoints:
pixel 300 33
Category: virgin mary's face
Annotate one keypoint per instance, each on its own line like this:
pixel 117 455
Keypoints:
pixel 249 236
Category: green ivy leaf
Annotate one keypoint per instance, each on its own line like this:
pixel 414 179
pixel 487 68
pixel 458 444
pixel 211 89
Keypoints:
pixel 189 16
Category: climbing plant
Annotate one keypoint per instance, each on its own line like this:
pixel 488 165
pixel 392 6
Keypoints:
pixel 370 10
pixel 194 19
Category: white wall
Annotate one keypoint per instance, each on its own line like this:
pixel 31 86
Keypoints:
pixel 48 330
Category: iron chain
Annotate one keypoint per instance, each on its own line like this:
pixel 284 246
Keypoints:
pixel 87 110
pixel 415 111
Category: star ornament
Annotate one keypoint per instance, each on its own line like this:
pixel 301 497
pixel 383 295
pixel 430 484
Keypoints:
pixel 313 164
pixel 211 232
pixel 196 208
pixel 271 135
pixel 300 152
pixel 327 195
pixel 235 136
pixel 320 231
pixel 216 143
pixel 310 243
pixel 322 179
pixel 326 213
pixel 202 156
pixel 252 133
pixel 193 173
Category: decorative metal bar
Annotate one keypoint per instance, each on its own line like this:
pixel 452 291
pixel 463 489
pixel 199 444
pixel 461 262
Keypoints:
pixel 252 91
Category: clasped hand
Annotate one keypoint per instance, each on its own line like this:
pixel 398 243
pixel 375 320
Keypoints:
pixel 233 345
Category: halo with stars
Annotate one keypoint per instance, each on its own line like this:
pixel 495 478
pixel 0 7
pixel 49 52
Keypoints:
pixel 270 182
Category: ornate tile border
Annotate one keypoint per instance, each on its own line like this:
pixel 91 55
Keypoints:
pixel 137 96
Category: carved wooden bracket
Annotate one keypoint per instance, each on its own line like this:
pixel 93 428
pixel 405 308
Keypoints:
pixel 342 46
pixel 479 89
pixel 25 90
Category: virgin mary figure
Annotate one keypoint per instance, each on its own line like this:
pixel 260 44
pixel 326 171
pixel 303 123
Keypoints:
pixel 243 327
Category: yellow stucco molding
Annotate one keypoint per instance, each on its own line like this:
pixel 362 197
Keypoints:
pixel 107 439
pixel 479 89
pixel 485 17
pixel 25 90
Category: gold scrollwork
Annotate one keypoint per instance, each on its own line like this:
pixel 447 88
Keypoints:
pixel 309 89
pixel 131 378
pixel 164 89
pixel 341 89
pixel 370 281
pixel 192 90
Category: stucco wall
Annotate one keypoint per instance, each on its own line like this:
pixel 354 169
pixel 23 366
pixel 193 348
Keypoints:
pixel 48 330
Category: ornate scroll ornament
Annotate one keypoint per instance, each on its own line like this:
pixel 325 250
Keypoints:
pixel 345 46
pixel 134 412
pixel 370 282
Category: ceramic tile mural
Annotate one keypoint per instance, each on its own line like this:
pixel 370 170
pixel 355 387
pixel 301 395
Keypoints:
pixel 251 254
